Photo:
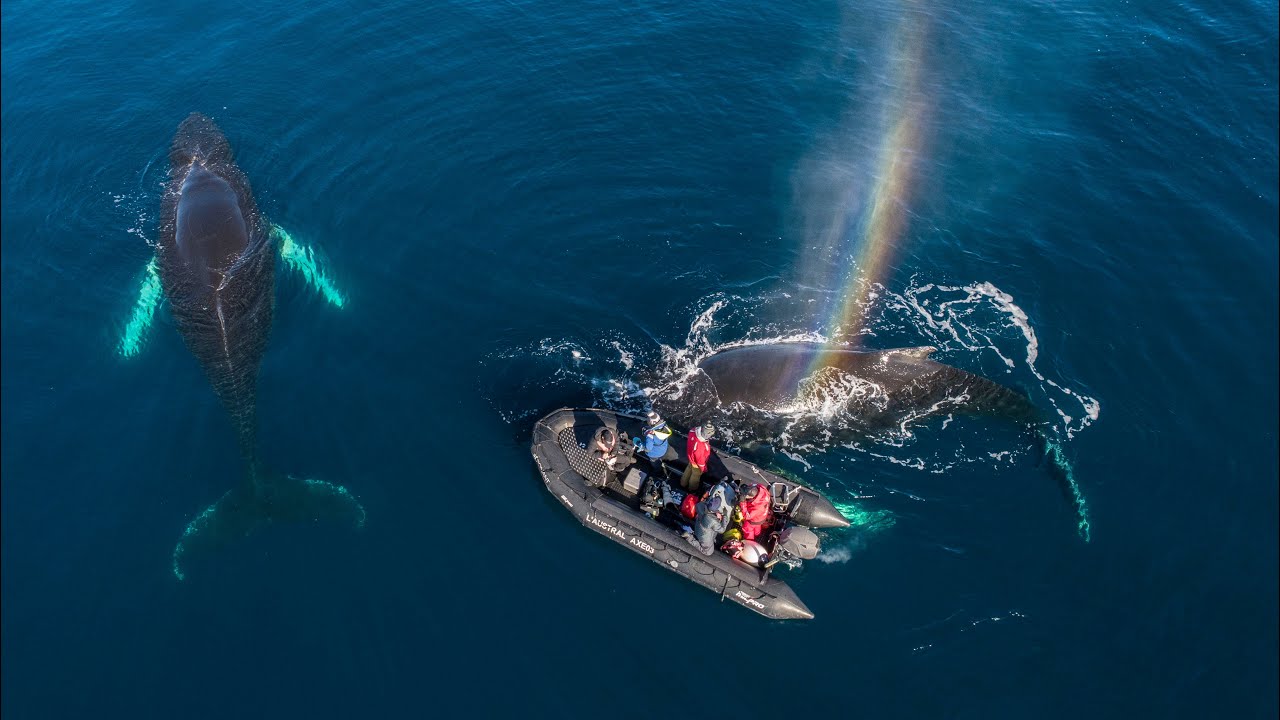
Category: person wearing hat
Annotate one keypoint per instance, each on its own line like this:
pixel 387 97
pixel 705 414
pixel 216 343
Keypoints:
pixel 699 452
pixel 656 447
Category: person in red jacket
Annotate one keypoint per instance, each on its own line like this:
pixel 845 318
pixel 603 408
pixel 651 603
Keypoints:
pixel 699 451
pixel 755 509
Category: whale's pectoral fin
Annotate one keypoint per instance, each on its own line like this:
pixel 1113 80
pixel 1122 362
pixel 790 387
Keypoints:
pixel 241 511
pixel 303 259
pixel 1060 469
pixel 144 312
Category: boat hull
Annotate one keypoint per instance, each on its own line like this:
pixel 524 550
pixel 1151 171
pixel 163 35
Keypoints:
pixel 560 442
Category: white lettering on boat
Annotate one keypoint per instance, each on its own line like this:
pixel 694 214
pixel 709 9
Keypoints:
pixel 749 600
pixel 566 501
pixel 642 545
pixel 606 527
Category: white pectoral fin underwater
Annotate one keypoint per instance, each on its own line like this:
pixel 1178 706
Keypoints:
pixel 295 255
pixel 1060 468
pixel 144 313
pixel 302 259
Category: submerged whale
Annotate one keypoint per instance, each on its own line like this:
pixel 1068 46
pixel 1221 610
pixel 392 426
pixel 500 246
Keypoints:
pixel 215 261
pixel 764 385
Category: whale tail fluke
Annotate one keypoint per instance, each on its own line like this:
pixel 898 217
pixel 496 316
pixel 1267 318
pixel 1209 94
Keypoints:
pixel 247 507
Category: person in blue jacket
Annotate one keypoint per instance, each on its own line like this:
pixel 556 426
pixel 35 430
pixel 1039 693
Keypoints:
pixel 655 446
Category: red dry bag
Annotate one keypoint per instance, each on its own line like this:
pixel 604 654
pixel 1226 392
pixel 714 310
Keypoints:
pixel 689 508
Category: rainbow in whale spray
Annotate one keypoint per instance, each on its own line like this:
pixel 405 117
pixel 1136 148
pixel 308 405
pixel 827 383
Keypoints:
pixel 850 220
pixel 873 224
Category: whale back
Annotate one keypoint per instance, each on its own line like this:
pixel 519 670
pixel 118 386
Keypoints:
pixel 217 267
pixel 895 383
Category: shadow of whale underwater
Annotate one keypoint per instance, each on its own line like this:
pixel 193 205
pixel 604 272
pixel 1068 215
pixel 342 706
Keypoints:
pixel 764 384
pixel 215 259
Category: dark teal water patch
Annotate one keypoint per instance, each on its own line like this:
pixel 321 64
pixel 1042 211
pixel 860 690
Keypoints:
pixel 494 187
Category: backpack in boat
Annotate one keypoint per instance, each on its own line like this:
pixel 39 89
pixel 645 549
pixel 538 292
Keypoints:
pixel 719 501
pixel 713 517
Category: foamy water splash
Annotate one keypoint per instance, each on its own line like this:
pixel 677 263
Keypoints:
pixel 973 318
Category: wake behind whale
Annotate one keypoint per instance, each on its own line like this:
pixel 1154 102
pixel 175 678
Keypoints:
pixel 215 259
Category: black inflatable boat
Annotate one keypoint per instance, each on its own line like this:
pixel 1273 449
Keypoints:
pixel 610 504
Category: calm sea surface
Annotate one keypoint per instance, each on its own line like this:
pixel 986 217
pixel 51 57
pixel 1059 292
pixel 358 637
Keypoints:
pixel 532 203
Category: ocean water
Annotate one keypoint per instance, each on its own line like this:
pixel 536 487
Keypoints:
pixel 529 204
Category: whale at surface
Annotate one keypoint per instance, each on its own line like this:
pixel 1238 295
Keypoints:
pixel 215 261
pixel 764 387
pixel 216 266
pixel 879 385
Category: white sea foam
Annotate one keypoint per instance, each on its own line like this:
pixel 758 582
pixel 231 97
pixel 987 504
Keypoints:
pixel 829 392
pixel 138 208
pixel 974 317
pixel 548 347
pixel 627 358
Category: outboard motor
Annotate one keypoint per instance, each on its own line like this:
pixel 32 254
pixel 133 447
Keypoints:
pixel 796 544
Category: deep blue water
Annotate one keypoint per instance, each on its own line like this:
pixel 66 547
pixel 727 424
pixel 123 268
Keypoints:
pixel 536 204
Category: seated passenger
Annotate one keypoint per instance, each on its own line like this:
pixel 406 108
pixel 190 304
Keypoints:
pixel 714 514
pixel 615 453
pixel 656 447
pixel 754 511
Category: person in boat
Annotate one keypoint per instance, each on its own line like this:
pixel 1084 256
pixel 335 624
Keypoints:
pixel 715 512
pixel 755 510
pixel 614 451
pixel 699 451
pixel 656 447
